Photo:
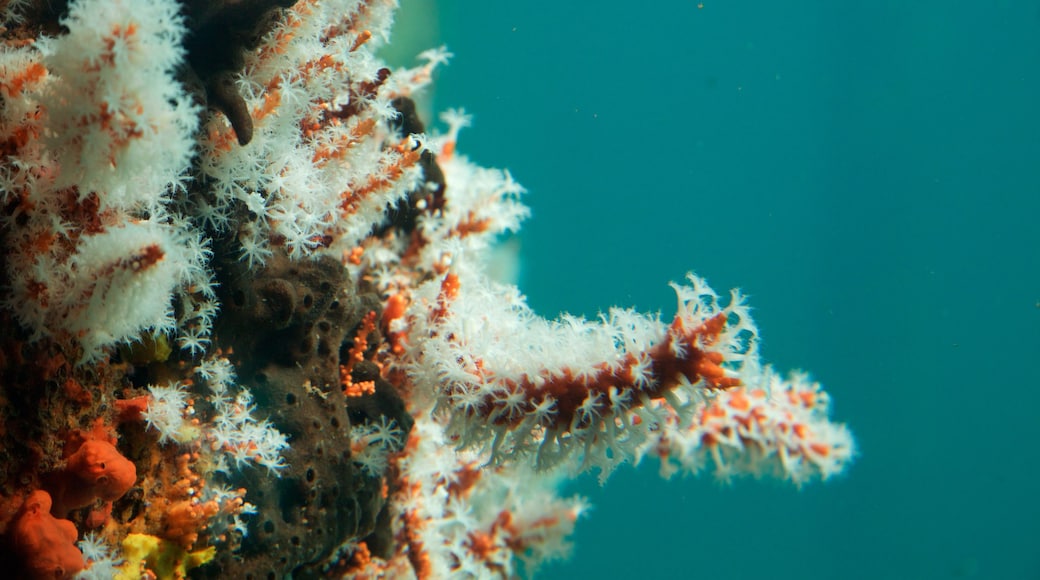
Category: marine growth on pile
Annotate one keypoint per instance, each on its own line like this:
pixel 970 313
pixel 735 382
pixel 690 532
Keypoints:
pixel 248 333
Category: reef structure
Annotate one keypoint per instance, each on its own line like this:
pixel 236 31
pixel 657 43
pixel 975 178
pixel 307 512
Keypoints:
pixel 248 333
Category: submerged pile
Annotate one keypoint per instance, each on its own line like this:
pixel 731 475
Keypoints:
pixel 248 331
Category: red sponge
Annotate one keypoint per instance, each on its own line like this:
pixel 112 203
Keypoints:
pixel 47 544
pixel 95 470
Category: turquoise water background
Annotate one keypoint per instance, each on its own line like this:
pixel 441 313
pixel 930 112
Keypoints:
pixel 869 173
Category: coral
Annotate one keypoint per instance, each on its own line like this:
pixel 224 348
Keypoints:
pixel 601 391
pixel 152 557
pixel 95 256
pixel 260 341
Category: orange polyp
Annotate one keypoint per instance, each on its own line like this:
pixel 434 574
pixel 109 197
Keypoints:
pixel 739 401
pixel 481 545
pixel 129 31
pixel 821 449
pixel 711 327
pixel 16 83
pixel 362 555
pixel 144 259
pixel 714 411
pixel 471 225
pixel 342 144
pixel 447 150
pixel 359 389
pixel 362 38
pixel 354 256
pixel 356 355
pixel 395 308
pixel 808 398
pixel 222 138
pixel 449 290
pixel 271 101
pixel 351 198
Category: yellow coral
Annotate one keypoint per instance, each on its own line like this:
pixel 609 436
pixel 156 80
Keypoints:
pixel 150 347
pixel 162 558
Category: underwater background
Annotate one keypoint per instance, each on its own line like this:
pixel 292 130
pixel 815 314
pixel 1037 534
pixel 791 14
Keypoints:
pixel 869 173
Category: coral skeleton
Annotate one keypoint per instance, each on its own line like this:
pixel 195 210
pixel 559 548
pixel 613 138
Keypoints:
pixel 259 288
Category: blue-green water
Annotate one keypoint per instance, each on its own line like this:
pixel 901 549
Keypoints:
pixel 869 172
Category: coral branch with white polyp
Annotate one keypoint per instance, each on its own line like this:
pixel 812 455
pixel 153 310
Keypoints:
pixel 777 427
pixel 524 386
pixel 97 131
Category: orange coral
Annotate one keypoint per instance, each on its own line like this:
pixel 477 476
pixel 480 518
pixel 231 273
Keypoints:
pixel 357 354
pixel 185 516
pixel 185 519
pixel 395 309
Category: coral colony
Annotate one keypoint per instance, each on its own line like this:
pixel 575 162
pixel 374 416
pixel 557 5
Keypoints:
pixel 247 331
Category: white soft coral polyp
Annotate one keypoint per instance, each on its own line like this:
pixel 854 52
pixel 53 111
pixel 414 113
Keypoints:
pixel 117 121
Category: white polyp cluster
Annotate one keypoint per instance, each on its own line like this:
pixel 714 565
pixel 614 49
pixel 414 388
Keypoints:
pixel 772 426
pixel 168 413
pixel 513 511
pixel 371 444
pixel 317 184
pixel 231 433
pixel 518 385
pixel 698 302
pixel 122 283
pixel 105 132
pixel 117 123
pixel 485 203
pixel 102 563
